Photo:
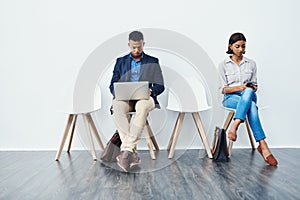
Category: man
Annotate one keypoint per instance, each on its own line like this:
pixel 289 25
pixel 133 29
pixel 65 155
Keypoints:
pixel 136 66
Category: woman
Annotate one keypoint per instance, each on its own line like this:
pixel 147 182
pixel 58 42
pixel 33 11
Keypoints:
pixel 238 84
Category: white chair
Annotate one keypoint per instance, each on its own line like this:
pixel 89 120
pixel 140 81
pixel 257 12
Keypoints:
pixel 89 124
pixel 227 123
pixel 187 95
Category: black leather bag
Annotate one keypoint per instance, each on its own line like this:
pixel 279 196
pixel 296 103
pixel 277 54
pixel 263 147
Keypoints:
pixel 112 149
pixel 220 150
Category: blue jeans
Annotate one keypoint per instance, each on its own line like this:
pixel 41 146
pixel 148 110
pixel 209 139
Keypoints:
pixel 244 104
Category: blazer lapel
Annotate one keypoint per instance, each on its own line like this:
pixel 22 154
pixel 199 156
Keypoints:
pixel 143 66
pixel 127 70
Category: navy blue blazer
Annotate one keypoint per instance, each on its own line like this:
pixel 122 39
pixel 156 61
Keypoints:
pixel 150 71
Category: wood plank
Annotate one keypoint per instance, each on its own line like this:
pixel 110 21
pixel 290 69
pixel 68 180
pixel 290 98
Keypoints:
pixel 49 178
pixel 27 164
pixel 189 175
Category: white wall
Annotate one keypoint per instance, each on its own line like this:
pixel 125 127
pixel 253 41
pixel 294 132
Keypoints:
pixel 43 45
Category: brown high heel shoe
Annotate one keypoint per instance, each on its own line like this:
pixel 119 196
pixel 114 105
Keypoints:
pixel 271 160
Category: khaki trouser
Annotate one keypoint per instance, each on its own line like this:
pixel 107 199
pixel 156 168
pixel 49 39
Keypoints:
pixel 130 133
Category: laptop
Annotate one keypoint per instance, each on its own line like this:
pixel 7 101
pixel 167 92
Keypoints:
pixel 131 90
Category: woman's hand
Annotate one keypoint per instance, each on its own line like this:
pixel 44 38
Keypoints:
pixel 242 87
pixel 232 89
pixel 254 87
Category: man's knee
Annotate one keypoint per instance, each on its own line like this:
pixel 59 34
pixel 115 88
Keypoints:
pixel 143 106
pixel 120 106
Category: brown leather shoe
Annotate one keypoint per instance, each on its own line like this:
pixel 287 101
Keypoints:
pixel 232 136
pixel 270 159
pixel 135 160
pixel 124 160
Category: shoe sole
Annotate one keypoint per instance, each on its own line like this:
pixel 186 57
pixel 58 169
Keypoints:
pixel 272 163
pixel 134 164
pixel 124 169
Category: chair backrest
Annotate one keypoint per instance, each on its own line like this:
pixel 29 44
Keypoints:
pixel 89 106
pixel 187 94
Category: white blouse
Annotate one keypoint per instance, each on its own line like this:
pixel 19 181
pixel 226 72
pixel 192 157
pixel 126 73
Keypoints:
pixel 232 74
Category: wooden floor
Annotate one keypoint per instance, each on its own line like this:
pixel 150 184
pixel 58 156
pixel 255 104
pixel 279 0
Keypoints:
pixel 190 175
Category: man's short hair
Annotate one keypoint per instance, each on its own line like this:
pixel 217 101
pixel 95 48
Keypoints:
pixel 136 36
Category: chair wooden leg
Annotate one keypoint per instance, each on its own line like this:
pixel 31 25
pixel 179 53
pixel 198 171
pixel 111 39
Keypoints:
pixel 88 131
pixel 152 136
pixel 230 148
pixel 201 131
pixel 72 133
pixel 176 134
pixel 91 122
pixel 149 143
pixel 228 120
pixel 173 133
pixel 250 133
pixel 225 127
pixel 70 120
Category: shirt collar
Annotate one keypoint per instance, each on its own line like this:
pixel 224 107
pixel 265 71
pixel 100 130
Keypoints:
pixel 228 59
pixel 141 57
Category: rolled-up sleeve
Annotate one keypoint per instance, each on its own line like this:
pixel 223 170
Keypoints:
pixel 254 72
pixel 222 77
